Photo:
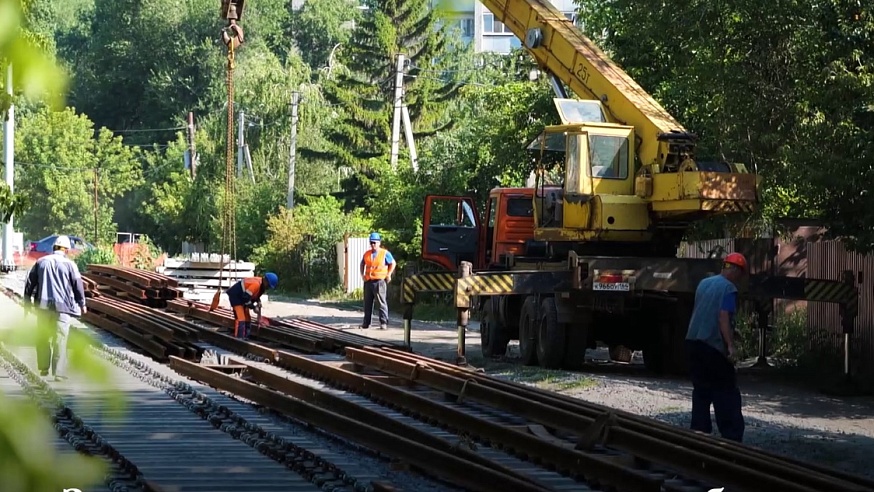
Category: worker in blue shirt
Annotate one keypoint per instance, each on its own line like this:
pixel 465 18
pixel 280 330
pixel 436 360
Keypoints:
pixel 711 349
pixel 377 266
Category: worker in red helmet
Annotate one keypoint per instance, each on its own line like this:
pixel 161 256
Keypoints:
pixel 710 345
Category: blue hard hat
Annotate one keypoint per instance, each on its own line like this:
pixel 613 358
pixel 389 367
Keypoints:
pixel 272 279
pixel 374 236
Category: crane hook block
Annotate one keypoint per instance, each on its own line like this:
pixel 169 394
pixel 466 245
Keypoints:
pixel 235 36
pixel 232 9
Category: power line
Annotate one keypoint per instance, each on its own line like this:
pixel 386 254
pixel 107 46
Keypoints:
pixel 140 130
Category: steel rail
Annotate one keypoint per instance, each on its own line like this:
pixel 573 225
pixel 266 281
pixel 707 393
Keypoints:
pixel 365 415
pixel 692 462
pixel 717 447
pixel 472 476
pixel 593 467
pixel 142 277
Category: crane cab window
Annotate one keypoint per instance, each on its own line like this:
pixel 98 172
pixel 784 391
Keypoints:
pixel 575 111
pixel 454 213
pixel 608 156
pixel 520 207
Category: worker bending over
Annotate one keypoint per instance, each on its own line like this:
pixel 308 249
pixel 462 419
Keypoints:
pixel 710 344
pixel 245 295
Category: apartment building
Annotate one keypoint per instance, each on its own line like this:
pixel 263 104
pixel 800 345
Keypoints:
pixel 479 26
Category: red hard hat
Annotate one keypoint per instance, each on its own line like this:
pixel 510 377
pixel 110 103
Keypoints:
pixel 736 259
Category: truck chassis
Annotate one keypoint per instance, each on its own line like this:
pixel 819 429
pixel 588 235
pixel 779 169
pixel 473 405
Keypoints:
pixel 559 310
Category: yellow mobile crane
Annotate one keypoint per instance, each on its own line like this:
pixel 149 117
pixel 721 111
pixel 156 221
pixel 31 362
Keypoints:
pixel 593 257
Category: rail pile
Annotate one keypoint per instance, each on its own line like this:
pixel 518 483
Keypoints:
pixel 141 286
pixel 123 301
pixel 159 334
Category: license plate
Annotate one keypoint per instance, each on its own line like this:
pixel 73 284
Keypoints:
pixel 613 286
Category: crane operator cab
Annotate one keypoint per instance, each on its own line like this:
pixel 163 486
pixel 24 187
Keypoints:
pixel 604 193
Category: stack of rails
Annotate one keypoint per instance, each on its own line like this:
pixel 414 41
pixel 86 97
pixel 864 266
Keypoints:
pixel 144 287
pixel 305 336
pixel 90 287
pixel 159 334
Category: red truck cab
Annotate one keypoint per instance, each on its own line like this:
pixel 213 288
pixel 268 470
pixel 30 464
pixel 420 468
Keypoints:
pixel 453 231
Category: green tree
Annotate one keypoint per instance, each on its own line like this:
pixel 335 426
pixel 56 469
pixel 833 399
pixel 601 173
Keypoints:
pixel 301 243
pixel 322 27
pixel 148 62
pixel 364 92
pixel 782 87
pixel 485 149
pixel 59 152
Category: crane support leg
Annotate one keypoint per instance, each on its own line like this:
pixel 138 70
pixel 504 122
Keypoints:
pixel 464 270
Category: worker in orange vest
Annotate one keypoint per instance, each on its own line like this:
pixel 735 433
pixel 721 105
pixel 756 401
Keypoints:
pixel 245 295
pixel 377 267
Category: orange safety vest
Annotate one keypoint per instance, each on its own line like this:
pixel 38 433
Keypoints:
pixel 374 265
pixel 252 286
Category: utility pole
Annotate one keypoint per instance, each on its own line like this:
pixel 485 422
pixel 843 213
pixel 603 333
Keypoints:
pixel 408 134
pixel 396 122
pixel 96 227
pixel 292 150
pixel 240 142
pixel 191 153
pixel 9 172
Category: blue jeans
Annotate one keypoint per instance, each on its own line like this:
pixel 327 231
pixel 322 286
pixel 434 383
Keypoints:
pixel 714 381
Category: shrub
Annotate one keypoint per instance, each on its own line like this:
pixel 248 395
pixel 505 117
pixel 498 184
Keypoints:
pixel 146 254
pixel 301 244
pixel 98 255
pixel 787 341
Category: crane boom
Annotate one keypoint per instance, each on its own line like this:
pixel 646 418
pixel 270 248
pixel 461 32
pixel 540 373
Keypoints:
pixel 567 54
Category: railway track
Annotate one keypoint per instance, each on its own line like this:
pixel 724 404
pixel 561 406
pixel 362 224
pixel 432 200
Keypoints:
pixel 465 428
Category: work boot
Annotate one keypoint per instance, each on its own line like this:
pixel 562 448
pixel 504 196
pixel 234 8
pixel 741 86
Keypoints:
pixel 382 326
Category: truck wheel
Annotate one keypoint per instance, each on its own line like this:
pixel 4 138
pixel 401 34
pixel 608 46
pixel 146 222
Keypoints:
pixel 665 353
pixel 620 353
pixel 493 335
pixel 550 336
pixel 576 344
pixel 678 364
pixel 528 331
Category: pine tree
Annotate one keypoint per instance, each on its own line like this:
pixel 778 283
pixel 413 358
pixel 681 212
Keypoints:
pixel 363 93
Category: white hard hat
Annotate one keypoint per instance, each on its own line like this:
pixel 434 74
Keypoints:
pixel 63 242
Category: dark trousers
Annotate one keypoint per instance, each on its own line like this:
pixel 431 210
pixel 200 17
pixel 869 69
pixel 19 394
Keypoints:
pixel 375 290
pixel 714 381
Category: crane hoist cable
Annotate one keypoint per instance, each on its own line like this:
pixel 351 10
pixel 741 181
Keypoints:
pixel 228 215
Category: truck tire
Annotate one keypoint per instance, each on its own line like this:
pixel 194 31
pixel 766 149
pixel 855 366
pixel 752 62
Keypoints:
pixel 550 336
pixel 665 353
pixel 576 344
pixel 493 334
pixel 620 353
pixel 528 331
